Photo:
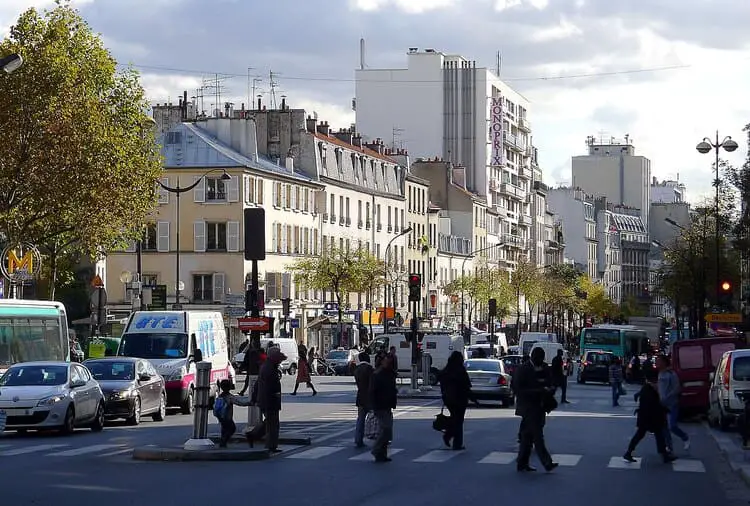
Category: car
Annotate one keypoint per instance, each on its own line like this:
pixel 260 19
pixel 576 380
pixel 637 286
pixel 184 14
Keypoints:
pixel 342 360
pixel 489 380
pixel 511 363
pixel 51 395
pixel 132 388
pixel 595 366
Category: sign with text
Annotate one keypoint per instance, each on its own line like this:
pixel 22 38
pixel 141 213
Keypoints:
pixel 158 298
pixel 496 131
pixel 21 264
pixel 250 324
pixel 724 318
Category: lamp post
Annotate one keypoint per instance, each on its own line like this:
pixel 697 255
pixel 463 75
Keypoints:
pixel 11 63
pixel 463 265
pixel 704 147
pixel 178 191
pixel 387 285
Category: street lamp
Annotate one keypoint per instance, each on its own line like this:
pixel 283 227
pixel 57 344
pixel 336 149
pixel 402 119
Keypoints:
pixel 387 285
pixel 178 191
pixel 704 147
pixel 463 280
pixel 11 63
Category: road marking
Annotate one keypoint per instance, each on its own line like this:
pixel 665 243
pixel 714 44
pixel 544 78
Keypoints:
pixel 621 463
pixel 499 458
pixel 437 456
pixel 83 451
pixel 316 453
pixel 118 452
pixel 30 449
pixel 688 466
pixel 368 456
pixel 567 460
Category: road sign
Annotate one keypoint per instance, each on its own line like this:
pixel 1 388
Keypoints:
pixel 259 324
pixel 294 323
pixel 97 282
pixel 235 299
pixel 235 311
pixel 98 298
pixel 724 318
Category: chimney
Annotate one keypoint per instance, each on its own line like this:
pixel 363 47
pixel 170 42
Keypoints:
pixel 310 124
pixel 289 164
pixel 323 128
pixel 458 176
pixel 184 105
pixel 259 104
pixel 344 135
pixel 357 140
pixel 283 103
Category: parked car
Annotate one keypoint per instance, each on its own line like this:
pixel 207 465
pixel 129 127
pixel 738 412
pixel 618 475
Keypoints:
pixel 342 360
pixel 132 388
pixel 729 385
pixel 595 366
pixel 51 395
pixel 489 380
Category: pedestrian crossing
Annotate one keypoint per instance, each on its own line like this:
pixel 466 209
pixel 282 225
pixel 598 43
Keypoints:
pixel 497 458
pixel 349 413
pixel 64 450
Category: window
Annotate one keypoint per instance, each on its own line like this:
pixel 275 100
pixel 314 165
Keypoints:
pixel 717 350
pixel 149 238
pixel 208 287
pixel 277 285
pixel 150 280
pixel 690 357
pixel 216 236
pixel 216 190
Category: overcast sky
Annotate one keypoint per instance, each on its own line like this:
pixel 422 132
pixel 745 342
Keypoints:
pixel 666 72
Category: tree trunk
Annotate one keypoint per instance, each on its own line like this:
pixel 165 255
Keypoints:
pixel 341 316
pixel 53 272
pixel 518 313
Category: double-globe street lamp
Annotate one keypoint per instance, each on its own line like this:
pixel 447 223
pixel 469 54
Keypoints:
pixel 704 147
pixel 463 279
pixel 178 191
pixel 11 63
pixel 405 231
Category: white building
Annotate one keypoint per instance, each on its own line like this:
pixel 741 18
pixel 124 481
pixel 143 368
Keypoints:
pixel 667 191
pixel 576 211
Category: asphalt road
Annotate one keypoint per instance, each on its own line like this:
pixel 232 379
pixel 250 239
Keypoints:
pixel 588 438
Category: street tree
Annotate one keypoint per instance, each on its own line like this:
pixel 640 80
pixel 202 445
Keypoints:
pixel 525 282
pixel 77 165
pixel 465 287
pixel 369 277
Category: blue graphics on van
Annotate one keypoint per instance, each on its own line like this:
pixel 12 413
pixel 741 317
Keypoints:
pixel 146 321
pixel 206 343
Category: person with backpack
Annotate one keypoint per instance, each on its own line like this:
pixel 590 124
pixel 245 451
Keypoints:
pixel 224 411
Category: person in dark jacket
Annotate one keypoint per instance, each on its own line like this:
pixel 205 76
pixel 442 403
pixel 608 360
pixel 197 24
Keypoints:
pixel 559 378
pixel 383 394
pixel 362 377
pixel 651 417
pixel 394 359
pixel 455 388
pixel 533 382
pixel 269 396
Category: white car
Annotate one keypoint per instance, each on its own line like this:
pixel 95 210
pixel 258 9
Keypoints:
pixel 50 395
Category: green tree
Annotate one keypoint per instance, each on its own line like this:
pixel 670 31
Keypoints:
pixel 525 282
pixel 369 277
pixel 77 172
pixel 466 287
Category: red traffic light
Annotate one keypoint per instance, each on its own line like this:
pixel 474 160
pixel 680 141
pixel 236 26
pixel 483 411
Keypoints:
pixel 414 279
pixel 726 286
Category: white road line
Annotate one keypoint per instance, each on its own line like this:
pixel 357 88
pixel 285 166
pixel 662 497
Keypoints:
pixel 567 460
pixel 316 453
pixel 30 449
pixel 118 452
pixel 437 456
pixel 688 466
pixel 368 456
pixel 499 458
pixel 84 450
pixel 621 463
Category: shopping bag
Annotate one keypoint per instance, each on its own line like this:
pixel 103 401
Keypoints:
pixel 441 421
pixel 372 427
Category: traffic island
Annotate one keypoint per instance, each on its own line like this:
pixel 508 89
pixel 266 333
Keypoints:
pixel 178 454
pixel 284 439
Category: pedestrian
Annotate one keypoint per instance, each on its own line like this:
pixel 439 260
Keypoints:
pixel 635 368
pixel 534 391
pixel 311 361
pixel 669 392
pixel 383 394
pixel 455 389
pixel 362 377
pixel 651 417
pixel 224 411
pixel 559 378
pixel 615 380
pixel 303 375
pixel 394 359
pixel 525 359
pixel 269 396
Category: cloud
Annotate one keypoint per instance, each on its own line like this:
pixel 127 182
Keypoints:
pixel 409 6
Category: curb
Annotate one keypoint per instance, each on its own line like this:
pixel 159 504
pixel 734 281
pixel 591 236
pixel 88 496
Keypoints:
pixel 176 454
pixel 289 439
pixel 736 456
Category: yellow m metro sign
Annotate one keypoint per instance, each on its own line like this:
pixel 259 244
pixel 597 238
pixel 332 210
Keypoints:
pixel 21 263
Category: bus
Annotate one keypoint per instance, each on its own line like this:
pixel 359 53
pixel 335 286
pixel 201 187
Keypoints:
pixel 622 340
pixel 32 330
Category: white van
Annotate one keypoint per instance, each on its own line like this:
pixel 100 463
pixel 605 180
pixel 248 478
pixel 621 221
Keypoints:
pixel 439 345
pixel 550 349
pixel 527 340
pixel 169 340
pixel 732 377
pixel 288 347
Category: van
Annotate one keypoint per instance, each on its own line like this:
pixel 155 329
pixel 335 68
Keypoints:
pixel 527 340
pixel 169 340
pixel 730 381
pixel 439 345
pixel 288 347
pixel 694 360
pixel 550 349
pixel 500 340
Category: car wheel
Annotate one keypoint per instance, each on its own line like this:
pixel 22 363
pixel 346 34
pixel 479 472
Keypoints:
pixel 98 424
pixel 135 419
pixel 69 423
pixel 161 413
pixel 292 370
pixel 187 406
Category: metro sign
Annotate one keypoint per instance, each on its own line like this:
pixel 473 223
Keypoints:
pixel 259 324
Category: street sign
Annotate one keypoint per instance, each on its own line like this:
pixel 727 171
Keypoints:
pixel 98 298
pixel 234 311
pixel 97 282
pixel 158 298
pixel 294 323
pixel 724 318
pixel 259 324
pixel 235 299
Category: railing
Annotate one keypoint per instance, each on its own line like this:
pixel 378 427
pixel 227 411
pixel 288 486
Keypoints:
pixel 512 190
pixel 524 124
pixel 524 219
pixel 514 240
pixel 454 244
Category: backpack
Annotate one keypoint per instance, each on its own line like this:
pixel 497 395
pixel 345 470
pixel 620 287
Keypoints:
pixel 220 408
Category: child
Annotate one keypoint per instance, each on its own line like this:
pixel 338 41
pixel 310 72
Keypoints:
pixel 651 417
pixel 224 412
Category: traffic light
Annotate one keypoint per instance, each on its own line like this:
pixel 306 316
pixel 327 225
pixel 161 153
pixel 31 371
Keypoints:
pixel 415 287
pixel 726 295
pixel 492 307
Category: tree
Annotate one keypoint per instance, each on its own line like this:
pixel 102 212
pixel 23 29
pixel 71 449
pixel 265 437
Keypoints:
pixel 524 281
pixel 77 167
pixel 465 286
pixel 370 275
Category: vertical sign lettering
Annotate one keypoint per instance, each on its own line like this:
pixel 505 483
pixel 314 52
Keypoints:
pixel 496 131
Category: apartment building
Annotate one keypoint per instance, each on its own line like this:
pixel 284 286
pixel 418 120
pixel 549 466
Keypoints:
pixel 575 209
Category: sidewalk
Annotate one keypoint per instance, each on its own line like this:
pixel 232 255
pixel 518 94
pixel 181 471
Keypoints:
pixel 730 445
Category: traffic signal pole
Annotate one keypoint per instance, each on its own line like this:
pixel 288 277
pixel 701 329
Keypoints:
pixel 415 294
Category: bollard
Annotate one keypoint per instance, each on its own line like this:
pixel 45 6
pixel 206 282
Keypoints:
pixel 426 366
pixel 200 440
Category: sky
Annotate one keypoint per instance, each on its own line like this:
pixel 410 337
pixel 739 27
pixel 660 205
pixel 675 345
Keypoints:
pixel 665 72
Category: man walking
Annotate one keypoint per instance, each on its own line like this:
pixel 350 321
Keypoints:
pixel 362 377
pixel 269 396
pixel 533 382
pixel 383 393
pixel 669 393
pixel 559 378
pixel 615 380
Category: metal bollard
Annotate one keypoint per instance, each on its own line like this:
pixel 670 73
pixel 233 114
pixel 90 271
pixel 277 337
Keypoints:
pixel 426 366
pixel 200 440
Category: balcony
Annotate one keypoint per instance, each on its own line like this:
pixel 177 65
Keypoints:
pixel 524 125
pixel 512 191
pixel 552 245
pixel 514 241
pixel 524 219
pixel 453 244
pixel 513 142
pixel 333 218
pixel 524 172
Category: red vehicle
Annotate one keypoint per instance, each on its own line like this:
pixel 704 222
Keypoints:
pixel 694 360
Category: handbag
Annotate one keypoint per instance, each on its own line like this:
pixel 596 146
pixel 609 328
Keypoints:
pixel 549 403
pixel 372 426
pixel 441 421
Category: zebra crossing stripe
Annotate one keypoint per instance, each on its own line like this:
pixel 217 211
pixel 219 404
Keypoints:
pixel 84 450
pixel 437 456
pixel 316 453
pixel 29 449
pixel 368 456
pixel 499 458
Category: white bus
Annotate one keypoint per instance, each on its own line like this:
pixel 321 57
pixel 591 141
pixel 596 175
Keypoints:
pixel 32 330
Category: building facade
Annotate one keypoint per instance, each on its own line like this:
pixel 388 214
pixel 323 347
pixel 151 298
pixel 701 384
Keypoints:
pixel 667 191
pixel 575 209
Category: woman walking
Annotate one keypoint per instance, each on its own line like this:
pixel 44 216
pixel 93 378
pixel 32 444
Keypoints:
pixel 455 387
pixel 303 375
pixel 651 417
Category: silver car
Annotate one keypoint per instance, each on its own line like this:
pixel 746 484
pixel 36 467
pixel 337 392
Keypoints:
pixel 50 395
pixel 489 380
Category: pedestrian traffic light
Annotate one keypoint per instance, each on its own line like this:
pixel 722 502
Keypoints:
pixel 726 295
pixel 415 287
pixel 492 307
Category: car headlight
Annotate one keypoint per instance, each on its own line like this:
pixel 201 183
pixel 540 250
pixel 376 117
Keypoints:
pixel 51 400
pixel 122 394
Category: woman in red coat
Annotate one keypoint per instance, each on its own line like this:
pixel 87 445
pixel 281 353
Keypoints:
pixel 303 375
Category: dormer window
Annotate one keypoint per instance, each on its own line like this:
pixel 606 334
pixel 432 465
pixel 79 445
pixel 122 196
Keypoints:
pixel 385 179
pixel 339 160
pixel 355 168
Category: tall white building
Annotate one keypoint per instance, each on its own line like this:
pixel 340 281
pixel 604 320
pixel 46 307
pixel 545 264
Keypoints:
pixel 577 214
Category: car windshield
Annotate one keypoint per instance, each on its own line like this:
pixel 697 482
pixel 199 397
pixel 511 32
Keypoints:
pixel 337 355
pixel 106 370
pixel 483 365
pixel 155 345
pixel 512 360
pixel 600 358
pixel 35 375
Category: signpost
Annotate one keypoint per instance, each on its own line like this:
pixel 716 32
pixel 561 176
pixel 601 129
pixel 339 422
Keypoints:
pixel 724 318
pixel 98 305
pixel 254 324
pixel 20 265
